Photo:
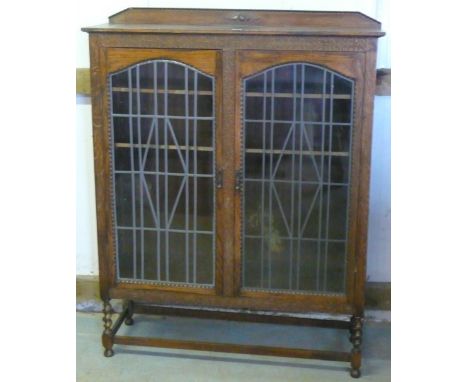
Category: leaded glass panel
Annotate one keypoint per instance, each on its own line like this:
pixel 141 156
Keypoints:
pixel 163 144
pixel 297 129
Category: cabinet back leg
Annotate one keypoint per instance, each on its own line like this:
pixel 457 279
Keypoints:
pixel 130 308
pixel 356 340
pixel 107 337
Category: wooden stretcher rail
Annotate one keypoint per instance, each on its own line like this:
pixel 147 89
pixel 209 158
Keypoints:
pixel 241 316
pixel 234 348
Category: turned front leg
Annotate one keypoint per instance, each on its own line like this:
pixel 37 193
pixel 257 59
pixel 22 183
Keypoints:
pixel 107 333
pixel 356 339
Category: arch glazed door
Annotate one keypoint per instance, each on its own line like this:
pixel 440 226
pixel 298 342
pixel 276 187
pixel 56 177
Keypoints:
pixel 295 158
pixel 164 158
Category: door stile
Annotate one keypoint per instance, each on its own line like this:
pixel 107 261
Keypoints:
pixel 221 178
pixel 238 173
pixel 227 206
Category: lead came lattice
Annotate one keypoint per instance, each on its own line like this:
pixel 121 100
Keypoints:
pixel 163 144
pixel 297 129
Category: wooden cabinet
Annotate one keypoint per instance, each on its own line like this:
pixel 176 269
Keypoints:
pixel 232 153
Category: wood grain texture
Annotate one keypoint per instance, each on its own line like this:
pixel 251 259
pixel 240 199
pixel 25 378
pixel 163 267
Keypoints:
pixel 238 139
pixel 229 167
pixel 382 88
pixel 102 167
pixel 229 73
pixel 222 221
pixel 378 294
pixel 206 17
pixel 137 285
pixel 341 322
pixel 231 30
pixel 203 60
pixel 230 45
pixel 364 139
pixel 236 42
pixel 354 207
pixel 251 22
pixel 274 301
pixel 233 348
pixel 251 62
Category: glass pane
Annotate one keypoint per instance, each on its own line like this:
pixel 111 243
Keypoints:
pixel 253 267
pixel 335 268
pixel 125 247
pixel 204 259
pixel 120 102
pixel 124 188
pixel 297 146
pixel 164 160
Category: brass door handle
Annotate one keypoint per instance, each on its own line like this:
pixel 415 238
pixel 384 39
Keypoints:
pixel 240 18
pixel 219 178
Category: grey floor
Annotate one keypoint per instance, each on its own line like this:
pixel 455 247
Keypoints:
pixel 154 364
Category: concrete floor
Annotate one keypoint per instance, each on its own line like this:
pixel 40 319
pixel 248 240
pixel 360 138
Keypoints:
pixel 154 364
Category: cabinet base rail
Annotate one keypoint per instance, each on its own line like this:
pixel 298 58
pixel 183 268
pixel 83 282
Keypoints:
pixel 110 337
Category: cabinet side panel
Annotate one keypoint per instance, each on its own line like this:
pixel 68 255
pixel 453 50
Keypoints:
pixel 364 176
pixel 101 165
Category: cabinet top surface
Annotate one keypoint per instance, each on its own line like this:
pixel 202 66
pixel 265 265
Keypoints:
pixel 220 21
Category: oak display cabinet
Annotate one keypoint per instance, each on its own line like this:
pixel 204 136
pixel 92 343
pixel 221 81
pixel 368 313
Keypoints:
pixel 232 153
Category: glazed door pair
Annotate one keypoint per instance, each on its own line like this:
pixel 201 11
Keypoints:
pixel 292 137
